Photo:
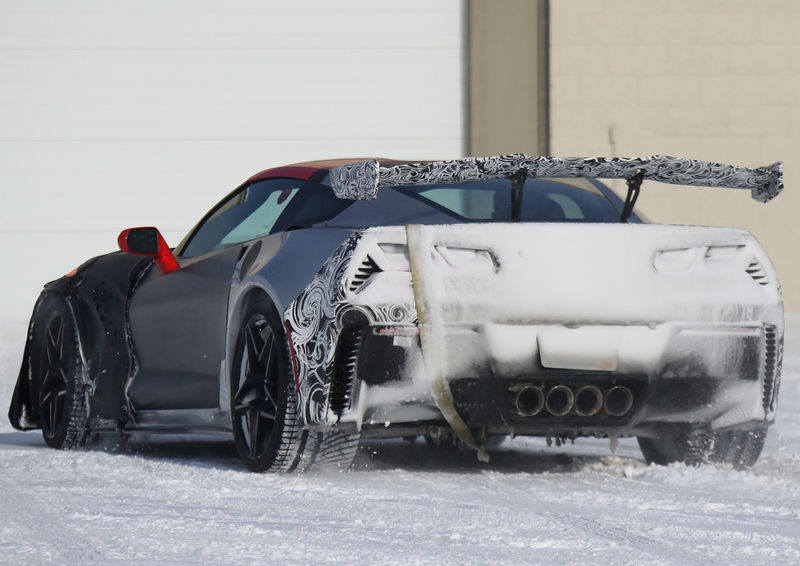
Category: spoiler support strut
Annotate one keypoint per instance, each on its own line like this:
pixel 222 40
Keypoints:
pixel 634 186
pixel 517 184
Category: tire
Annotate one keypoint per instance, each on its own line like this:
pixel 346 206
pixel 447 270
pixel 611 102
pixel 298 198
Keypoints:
pixel 332 450
pixel 267 425
pixel 58 375
pixel 739 448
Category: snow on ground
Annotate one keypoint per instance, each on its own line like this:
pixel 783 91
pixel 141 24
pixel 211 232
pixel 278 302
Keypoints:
pixel 169 501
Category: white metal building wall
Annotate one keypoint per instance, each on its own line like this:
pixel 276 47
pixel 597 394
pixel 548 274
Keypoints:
pixel 116 113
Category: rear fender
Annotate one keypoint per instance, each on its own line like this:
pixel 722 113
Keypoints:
pixel 289 268
pixel 313 326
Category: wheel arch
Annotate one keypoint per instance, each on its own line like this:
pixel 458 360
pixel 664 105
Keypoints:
pixel 23 411
pixel 302 280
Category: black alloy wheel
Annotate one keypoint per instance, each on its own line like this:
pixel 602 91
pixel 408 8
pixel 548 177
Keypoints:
pixel 57 371
pixel 53 390
pixel 266 426
pixel 254 403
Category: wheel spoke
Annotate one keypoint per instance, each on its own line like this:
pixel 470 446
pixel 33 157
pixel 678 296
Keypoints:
pixel 269 399
pixel 247 386
pixel 47 395
pixel 52 403
pixel 50 346
pixel 253 428
pixel 54 338
pixel 269 348
pixel 54 408
pixel 265 412
pixel 267 416
pixel 60 340
pixel 54 382
pixel 254 374
pixel 255 346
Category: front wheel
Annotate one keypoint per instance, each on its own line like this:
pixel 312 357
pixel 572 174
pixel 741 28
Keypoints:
pixel 57 371
pixel 739 448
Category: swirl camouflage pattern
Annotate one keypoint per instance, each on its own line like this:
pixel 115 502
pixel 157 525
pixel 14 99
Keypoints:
pixel 357 181
pixel 313 320
pixel 391 314
pixel 361 180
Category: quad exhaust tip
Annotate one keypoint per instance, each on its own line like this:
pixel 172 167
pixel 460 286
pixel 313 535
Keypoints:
pixel 619 401
pixel 560 400
pixel 588 401
pixel 529 401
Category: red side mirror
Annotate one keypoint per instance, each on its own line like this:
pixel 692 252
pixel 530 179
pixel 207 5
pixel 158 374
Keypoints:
pixel 148 241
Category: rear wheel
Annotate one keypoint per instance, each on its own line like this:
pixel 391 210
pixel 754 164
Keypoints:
pixel 331 450
pixel 266 422
pixel 739 448
pixel 57 370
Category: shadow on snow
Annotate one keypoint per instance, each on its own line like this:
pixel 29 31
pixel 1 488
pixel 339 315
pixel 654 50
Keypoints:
pixel 212 451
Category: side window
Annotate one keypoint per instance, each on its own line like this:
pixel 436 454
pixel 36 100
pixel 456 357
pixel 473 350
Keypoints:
pixel 251 212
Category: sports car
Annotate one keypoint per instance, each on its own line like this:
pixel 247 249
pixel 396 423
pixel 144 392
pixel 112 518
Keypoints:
pixel 461 301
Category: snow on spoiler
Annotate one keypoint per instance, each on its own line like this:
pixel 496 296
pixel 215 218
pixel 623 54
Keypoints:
pixel 361 180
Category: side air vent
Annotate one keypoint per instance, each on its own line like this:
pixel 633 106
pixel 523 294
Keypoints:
pixel 757 272
pixel 344 370
pixel 367 269
pixel 772 369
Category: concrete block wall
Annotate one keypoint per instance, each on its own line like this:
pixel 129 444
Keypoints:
pixel 710 79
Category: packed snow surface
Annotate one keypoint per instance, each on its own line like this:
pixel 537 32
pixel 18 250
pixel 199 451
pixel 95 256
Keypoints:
pixel 172 501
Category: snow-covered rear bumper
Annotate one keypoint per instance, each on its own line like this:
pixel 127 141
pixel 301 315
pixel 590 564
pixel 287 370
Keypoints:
pixel 718 374
pixel 691 316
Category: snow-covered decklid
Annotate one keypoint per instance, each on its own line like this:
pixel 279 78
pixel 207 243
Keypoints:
pixel 361 180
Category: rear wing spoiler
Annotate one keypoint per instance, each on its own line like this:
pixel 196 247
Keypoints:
pixel 361 180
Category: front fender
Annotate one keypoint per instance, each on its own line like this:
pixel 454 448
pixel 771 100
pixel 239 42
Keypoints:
pixel 23 411
pixel 98 295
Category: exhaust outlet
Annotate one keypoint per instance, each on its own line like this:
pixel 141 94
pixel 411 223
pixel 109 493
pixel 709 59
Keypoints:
pixel 619 401
pixel 529 401
pixel 559 400
pixel 588 401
